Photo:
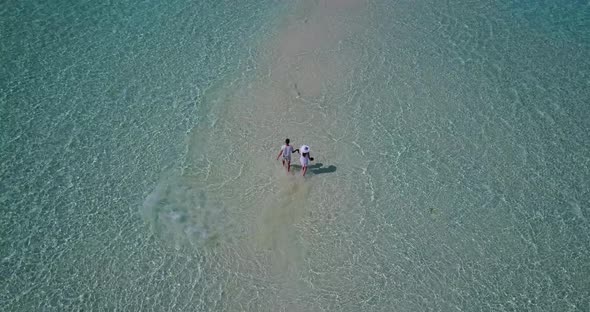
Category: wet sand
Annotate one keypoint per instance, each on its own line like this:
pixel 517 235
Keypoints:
pixel 294 91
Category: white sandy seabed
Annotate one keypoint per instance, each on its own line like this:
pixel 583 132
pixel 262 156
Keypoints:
pixel 233 198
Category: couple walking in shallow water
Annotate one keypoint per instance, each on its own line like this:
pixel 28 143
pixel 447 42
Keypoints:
pixel 304 158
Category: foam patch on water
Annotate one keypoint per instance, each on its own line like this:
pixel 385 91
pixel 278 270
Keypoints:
pixel 181 210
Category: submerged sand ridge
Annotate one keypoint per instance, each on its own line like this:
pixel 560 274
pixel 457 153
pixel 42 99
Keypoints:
pixel 266 234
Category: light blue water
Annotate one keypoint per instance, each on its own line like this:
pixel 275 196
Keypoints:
pixel 95 103
pixel 137 144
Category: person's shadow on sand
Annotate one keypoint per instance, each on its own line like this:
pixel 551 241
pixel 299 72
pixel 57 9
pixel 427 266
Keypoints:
pixel 317 168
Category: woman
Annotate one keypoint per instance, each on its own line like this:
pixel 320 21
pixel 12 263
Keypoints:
pixel 304 159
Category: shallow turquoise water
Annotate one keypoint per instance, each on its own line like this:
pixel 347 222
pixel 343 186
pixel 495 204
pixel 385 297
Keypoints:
pixel 137 166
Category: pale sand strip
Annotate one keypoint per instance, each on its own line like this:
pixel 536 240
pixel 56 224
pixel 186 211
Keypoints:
pixel 299 75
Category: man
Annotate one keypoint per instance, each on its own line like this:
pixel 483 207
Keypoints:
pixel 286 151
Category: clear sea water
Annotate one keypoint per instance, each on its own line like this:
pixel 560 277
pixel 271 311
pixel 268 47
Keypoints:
pixel 451 144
